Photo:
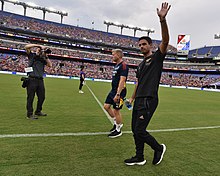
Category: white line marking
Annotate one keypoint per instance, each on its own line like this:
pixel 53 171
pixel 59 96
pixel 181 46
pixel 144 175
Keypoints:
pixel 100 133
pixel 100 104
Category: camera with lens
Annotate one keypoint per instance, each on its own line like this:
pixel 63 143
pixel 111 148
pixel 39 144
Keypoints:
pixel 25 82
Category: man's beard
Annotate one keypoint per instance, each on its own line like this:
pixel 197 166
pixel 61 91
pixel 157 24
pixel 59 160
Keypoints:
pixel 144 52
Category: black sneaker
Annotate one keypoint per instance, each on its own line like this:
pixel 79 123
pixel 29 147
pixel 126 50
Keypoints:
pixel 135 161
pixel 40 114
pixel 113 128
pixel 158 155
pixel 32 117
pixel 115 134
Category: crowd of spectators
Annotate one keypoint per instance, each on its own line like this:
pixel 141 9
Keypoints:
pixel 189 66
pixel 69 53
pixel 61 67
pixel 72 59
pixel 13 20
pixel 64 52
pixel 100 71
pixel 188 80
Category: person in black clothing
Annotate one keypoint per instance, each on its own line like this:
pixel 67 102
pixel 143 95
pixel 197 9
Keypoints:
pixel 146 93
pixel 82 79
pixel 35 72
pixel 118 92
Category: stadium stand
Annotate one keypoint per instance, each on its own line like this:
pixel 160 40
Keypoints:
pixel 205 52
pixel 98 71
pixel 75 46
pixel 31 24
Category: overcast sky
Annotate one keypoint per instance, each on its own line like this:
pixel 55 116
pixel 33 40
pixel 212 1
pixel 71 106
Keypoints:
pixel 199 18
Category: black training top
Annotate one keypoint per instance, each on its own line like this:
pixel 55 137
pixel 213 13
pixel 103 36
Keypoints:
pixel 149 74
pixel 119 70
pixel 37 63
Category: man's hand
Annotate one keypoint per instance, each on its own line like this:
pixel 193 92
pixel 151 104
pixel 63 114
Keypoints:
pixel 116 98
pixel 163 11
pixel 131 100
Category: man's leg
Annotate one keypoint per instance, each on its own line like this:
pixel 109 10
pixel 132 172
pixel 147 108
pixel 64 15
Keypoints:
pixel 118 118
pixel 108 108
pixel 138 159
pixel 143 118
pixel 117 132
pixel 80 85
pixel 41 97
pixel 31 89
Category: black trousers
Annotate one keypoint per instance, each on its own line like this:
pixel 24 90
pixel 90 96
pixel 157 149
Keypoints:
pixel 143 110
pixel 35 86
pixel 81 84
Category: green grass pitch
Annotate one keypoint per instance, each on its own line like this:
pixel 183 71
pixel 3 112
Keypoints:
pixel 193 153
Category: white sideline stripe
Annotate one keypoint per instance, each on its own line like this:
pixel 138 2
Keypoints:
pixel 100 104
pixel 99 133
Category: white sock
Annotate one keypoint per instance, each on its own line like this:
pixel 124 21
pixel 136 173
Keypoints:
pixel 115 121
pixel 118 127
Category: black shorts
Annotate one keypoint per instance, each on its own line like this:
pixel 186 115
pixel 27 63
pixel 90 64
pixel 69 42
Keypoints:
pixel 110 97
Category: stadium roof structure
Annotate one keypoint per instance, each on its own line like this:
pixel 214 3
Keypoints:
pixel 34 6
pixel 128 27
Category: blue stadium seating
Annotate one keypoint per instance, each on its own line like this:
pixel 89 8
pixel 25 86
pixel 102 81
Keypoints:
pixel 205 52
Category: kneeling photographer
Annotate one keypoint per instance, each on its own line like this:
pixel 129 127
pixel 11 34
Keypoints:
pixel 35 82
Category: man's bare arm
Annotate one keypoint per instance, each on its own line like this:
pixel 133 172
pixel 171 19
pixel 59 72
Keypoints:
pixel 164 28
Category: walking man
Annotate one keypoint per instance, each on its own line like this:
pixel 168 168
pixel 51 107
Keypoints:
pixel 118 92
pixel 146 93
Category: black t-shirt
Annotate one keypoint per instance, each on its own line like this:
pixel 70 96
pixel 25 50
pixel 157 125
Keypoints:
pixel 149 74
pixel 37 63
pixel 119 70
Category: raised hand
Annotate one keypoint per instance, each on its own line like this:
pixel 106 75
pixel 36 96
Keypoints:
pixel 165 7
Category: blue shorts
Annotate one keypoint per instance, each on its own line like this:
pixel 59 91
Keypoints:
pixel 110 97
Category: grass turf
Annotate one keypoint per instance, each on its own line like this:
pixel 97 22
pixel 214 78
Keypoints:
pixel 188 152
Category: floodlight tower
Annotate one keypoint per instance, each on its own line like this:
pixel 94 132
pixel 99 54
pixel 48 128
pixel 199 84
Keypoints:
pixel 108 24
pixel 62 14
pixel 149 31
pixel 34 6
pixel 44 13
pixel 25 8
pixel 2 5
pixel 122 26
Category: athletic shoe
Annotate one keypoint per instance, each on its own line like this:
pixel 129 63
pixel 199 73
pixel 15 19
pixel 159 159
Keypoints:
pixel 32 117
pixel 121 126
pixel 40 114
pixel 113 128
pixel 135 161
pixel 115 134
pixel 158 155
pixel 80 91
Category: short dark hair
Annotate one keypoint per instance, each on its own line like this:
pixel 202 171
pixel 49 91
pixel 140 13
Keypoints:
pixel 146 38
